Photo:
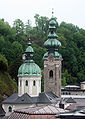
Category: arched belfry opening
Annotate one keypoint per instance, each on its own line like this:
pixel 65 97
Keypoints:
pixel 50 74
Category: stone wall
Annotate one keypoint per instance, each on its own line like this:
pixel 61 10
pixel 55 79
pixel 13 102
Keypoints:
pixel 52 83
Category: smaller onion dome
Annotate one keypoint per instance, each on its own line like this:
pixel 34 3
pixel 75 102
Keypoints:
pixel 29 67
pixel 29 49
pixel 52 22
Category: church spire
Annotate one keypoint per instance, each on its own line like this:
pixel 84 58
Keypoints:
pixel 29 53
pixel 52 44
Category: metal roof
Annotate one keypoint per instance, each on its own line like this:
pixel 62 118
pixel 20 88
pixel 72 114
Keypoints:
pixel 72 86
pixel 11 99
pixel 47 97
pixel 73 96
pixel 43 98
pixel 70 100
pixel 24 99
pixel 79 112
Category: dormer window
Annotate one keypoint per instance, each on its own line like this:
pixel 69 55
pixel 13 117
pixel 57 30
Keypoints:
pixel 10 109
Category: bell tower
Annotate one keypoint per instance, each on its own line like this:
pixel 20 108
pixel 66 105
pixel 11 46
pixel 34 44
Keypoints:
pixel 52 61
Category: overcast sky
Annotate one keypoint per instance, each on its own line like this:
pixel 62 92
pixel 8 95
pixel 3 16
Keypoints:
pixel 70 11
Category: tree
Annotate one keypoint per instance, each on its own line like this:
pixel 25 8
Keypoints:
pixel 17 49
pixel 41 24
pixel 19 26
pixel 3 63
pixel 63 82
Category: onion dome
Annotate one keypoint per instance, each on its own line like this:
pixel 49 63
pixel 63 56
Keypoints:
pixel 29 67
pixel 55 55
pixel 52 44
pixel 29 48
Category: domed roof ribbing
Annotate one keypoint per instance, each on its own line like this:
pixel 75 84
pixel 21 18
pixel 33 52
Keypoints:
pixel 52 43
pixel 29 67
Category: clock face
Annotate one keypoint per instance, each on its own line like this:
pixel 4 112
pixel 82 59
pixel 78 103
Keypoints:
pixel 23 56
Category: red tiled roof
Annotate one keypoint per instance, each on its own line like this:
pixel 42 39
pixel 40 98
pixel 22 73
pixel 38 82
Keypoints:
pixel 15 115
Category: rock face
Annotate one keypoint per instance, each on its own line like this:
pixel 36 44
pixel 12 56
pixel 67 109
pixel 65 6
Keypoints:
pixel 52 61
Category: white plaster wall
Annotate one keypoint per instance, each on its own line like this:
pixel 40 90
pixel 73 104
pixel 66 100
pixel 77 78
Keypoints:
pixel 82 86
pixel 30 89
pixel 14 107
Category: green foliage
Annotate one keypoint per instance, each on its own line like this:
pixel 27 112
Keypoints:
pixel 13 43
pixel 19 26
pixel 3 63
pixel 13 69
pixel 7 86
pixel 63 82
pixel 38 55
pixel 17 49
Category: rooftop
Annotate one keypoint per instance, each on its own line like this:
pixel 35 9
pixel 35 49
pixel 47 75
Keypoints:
pixel 43 98
pixel 79 112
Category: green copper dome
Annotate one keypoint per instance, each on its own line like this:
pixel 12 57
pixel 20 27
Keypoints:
pixel 29 68
pixel 52 22
pixel 55 55
pixel 52 44
pixel 29 48
pixel 52 35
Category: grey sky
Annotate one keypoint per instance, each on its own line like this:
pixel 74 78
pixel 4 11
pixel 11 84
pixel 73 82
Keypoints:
pixel 70 11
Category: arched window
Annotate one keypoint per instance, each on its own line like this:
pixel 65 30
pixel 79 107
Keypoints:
pixel 51 74
pixel 20 83
pixel 26 83
pixel 10 109
pixel 34 83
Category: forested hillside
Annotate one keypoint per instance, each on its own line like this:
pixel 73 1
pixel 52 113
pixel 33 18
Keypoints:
pixel 13 44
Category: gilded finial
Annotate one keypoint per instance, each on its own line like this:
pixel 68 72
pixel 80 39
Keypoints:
pixel 29 39
pixel 29 43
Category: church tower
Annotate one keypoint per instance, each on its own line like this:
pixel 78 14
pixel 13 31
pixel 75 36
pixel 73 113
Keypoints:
pixel 52 61
pixel 29 75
